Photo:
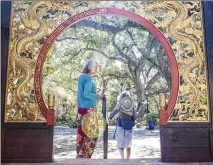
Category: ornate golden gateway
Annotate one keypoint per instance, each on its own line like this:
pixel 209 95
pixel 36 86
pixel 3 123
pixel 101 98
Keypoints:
pixel 32 22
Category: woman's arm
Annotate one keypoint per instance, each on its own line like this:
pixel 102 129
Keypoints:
pixel 135 114
pixel 114 111
pixel 87 90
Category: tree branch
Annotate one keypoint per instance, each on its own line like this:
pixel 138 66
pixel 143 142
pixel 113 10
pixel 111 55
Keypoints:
pixel 105 27
pixel 65 38
pixel 123 76
pixel 121 52
pixel 159 91
pixel 149 70
pixel 153 80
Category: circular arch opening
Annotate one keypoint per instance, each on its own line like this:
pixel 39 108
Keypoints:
pixel 97 12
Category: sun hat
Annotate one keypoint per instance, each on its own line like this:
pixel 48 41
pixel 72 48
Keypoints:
pixel 126 105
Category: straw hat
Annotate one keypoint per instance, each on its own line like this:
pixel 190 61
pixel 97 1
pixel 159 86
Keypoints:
pixel 127 105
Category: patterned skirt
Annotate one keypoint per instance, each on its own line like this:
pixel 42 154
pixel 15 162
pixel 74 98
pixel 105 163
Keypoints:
pixel 87 133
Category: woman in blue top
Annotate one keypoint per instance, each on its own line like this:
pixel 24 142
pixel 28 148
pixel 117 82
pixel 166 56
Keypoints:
pixel 87 101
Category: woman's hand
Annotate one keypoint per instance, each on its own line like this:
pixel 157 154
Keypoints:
pixel 79 116
pixel 108 118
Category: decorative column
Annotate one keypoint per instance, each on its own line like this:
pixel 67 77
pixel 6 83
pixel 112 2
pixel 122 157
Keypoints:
pixel 163 111
pixel 51 112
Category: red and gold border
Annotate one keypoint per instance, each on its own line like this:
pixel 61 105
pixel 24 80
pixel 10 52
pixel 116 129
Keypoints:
pixel 96 12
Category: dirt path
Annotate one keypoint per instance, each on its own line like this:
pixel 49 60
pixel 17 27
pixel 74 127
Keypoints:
pixel 146 144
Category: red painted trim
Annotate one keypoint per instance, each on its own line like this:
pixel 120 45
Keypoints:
pixel 96 12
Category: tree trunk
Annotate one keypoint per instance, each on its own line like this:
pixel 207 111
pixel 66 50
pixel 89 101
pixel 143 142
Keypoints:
pixel 140 93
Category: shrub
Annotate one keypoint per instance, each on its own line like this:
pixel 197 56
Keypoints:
pixel 151 117
pixel 66 122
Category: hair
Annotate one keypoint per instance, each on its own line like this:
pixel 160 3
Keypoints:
pixel 123 94
pixel 89 66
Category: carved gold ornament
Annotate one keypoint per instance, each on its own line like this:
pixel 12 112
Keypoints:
pixel 162 101
pixel 51 101
pixel 179 21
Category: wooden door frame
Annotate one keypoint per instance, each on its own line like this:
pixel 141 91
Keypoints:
pixel 23 128
pixel 208 45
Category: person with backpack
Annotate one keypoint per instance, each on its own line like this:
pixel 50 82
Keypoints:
pixel 125 122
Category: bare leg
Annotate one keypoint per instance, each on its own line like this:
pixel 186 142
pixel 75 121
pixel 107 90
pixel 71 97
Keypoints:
pixel 121 150
pixel 128 152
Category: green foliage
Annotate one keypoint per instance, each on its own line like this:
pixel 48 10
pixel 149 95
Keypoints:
pixel 111 102
pixel 151 117
pixel 66 122
pixel 67 56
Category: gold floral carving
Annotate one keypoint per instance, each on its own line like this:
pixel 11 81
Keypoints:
pixel 33 22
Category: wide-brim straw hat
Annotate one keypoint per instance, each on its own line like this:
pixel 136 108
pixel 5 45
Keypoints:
pixel 126 103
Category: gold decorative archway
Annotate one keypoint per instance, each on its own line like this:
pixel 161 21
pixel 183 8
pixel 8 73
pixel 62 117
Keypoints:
pixel 33 22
